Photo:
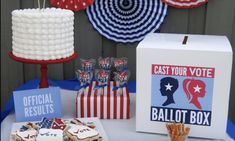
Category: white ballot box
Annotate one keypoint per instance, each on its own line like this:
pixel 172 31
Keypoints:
pixel 183 79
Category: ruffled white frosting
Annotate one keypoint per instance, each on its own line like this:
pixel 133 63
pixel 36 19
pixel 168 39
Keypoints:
pixel 43 34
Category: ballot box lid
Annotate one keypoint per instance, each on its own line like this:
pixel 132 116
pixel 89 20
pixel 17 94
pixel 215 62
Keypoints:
pixel 186 42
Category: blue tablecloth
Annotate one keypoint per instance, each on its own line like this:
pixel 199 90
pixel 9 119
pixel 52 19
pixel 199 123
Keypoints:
pixel 73 85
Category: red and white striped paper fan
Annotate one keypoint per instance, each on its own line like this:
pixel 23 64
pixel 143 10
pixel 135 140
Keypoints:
pixel 185 3
pixel 74 5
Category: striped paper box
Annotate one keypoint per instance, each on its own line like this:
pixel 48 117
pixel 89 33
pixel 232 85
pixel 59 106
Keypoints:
pixel 109 105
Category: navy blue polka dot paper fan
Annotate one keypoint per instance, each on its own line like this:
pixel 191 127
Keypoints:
pixel 126 21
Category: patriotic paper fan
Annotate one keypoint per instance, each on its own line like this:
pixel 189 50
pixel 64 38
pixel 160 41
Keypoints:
pixel 185 3
pixel 126 20
pixel 74 5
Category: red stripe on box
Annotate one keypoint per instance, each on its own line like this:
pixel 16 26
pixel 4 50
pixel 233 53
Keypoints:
pixel 89 101
pixel 102 106
pixel 108 101
pixel 128 104
pixel 115 101
pixel 95 102
pixel 82 104
pixel 121 104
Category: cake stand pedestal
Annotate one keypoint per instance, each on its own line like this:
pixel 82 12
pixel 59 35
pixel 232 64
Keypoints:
pixel 44 81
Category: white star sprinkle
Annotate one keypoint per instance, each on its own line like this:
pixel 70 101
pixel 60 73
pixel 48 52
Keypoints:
pixel 197 89
pixel 168 86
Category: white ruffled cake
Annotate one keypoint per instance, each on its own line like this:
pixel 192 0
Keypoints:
pixel 43 34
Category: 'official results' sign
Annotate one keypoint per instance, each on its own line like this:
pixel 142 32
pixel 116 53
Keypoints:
pixel 32 105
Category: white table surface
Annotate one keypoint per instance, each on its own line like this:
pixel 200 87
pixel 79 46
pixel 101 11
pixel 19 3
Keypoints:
pixel 116 130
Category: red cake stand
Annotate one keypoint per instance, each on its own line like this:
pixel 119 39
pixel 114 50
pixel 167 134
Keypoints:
pixel 44 81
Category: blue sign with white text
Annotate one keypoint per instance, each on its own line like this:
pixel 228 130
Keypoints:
pixel 32 105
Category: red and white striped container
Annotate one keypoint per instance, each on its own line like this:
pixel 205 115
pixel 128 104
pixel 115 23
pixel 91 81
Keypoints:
pixel 109 105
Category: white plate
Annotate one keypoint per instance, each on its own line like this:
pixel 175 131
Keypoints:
pixel 99 127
